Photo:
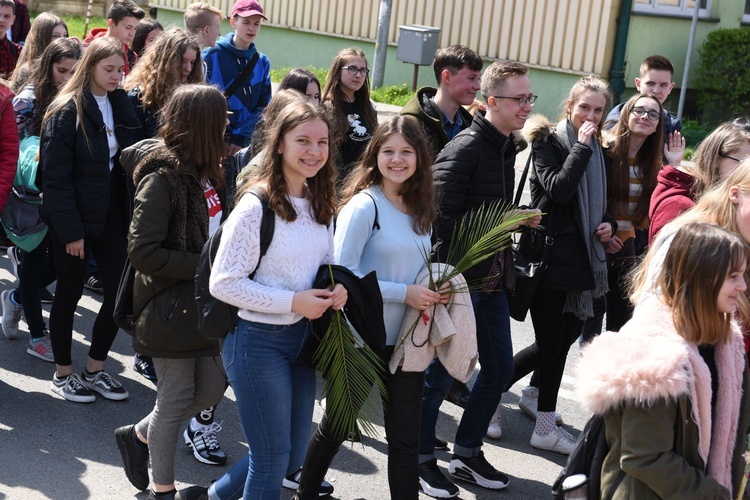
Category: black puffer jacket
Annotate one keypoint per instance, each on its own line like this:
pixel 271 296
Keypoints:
pixel 554 184
pixel 475 168
pixel 75 173
pixel 167 233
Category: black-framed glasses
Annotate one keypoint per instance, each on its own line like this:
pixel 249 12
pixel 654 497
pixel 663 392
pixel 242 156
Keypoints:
pixel 353 70
pixel 641 112
pixel 731 158
pixel 521 101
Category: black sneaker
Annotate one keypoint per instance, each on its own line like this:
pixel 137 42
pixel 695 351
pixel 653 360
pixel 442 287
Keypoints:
pixel 432 481
pixel 71 388
pixel 478 470
pixel 134 457
pixel 458 394
pixel 145 366
pixel 291 482
pixel 93 283
pixel 46 296
pixel 441 444
pixel 204 444
pixel 105 384
pixel 190 493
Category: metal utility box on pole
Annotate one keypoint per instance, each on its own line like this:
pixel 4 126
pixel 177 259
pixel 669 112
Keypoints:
pixel 417 45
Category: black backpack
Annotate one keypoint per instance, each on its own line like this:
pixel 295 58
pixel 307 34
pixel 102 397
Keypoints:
pixel 216 318
pixel 588 458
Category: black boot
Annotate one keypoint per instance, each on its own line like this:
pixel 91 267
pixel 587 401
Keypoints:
pixel 320 453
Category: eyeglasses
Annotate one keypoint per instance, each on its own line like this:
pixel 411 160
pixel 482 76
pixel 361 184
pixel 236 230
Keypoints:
pixel 641 112
pixel 353 70
pixel 521 101
pixel 731 158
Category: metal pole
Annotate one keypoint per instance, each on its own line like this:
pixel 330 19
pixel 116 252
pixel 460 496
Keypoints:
pixel 381 43
pixel 88 18
pixel 688 58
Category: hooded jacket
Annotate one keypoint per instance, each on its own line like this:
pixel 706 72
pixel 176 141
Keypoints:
pixel 655 396
pixel 671 197
pixel 167 234
pixel 8 144
pixel 224 63
pixel 429 115
pixel 131 58
pixel 553 183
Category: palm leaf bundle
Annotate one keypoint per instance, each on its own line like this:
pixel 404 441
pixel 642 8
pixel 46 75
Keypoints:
pixel 478 236
pixel 351 369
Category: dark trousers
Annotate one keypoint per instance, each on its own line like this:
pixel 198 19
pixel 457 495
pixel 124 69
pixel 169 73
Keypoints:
pixel 554 333
pixel 402 412
pixel 110 252
pixel 37 271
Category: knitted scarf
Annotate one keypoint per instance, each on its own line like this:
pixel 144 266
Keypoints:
pixel 592 200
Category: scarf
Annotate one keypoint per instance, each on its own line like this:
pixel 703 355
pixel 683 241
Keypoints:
pixel 592 200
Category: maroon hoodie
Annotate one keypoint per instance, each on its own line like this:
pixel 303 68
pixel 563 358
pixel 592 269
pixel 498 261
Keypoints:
pixel 672 196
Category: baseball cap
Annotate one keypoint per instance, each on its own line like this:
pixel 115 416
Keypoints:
pixel 247 8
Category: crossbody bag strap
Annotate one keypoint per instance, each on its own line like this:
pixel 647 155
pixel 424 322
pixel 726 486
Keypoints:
pixel 246 71
pixel 521 184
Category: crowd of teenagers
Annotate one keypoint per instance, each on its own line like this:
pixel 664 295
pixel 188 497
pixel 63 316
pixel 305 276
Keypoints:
pixel 144 139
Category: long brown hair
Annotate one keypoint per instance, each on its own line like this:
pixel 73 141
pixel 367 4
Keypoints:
pixel 38 39
pixel 194 122
pixel 698 261
pixel 417 192
pixel 99 49
pixel 648 158
pixel 43 79
pixel 160 71
pixel 332 94
pixel 320 188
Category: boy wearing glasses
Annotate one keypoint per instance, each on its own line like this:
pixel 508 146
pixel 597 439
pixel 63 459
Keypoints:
pixel 235 56
pixel 476 168
pixel 655 77
pixel 441 110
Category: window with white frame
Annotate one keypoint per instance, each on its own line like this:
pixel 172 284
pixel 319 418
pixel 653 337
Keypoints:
pixel 677 7
pixel 746 17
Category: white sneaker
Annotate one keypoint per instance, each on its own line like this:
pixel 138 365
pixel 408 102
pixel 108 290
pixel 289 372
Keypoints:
pixel 494 430
pixel 558 441
pixel 529 402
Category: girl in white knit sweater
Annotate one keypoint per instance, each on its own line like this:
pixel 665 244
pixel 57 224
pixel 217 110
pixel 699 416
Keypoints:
pixel 274 395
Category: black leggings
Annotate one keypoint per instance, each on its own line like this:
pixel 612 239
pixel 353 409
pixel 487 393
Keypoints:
pixel 554 333
pixel 403 413
pixel 110 252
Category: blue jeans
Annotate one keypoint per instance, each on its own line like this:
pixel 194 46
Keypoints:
pixel 275 400
pixel 496 360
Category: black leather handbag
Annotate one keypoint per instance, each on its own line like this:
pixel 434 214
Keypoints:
pixel 530 258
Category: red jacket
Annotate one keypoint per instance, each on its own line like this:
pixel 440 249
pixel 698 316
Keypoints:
pixel 8 144
pixel 672 196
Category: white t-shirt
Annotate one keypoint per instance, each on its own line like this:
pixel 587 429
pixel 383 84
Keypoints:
pixel 109 123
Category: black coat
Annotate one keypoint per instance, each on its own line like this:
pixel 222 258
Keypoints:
pixel 475 168
pixel 75 175
pixel 554 184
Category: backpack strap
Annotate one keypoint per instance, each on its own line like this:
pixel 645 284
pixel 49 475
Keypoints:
pixel 267 225
pixel 246 71
pixel 375 224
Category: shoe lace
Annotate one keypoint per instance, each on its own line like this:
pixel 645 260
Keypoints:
pixel 208 434
pixel 74 383
pixel 107 380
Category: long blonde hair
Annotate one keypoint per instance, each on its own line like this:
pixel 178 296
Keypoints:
pixel 80 82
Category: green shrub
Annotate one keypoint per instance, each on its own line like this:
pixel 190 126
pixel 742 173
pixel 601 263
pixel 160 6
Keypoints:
pixel 694 132
pixel 394 94
pixel 278 74
pixel 723 76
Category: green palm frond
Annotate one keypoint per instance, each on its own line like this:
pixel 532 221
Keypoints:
pixel 351 369
pixel 480 235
